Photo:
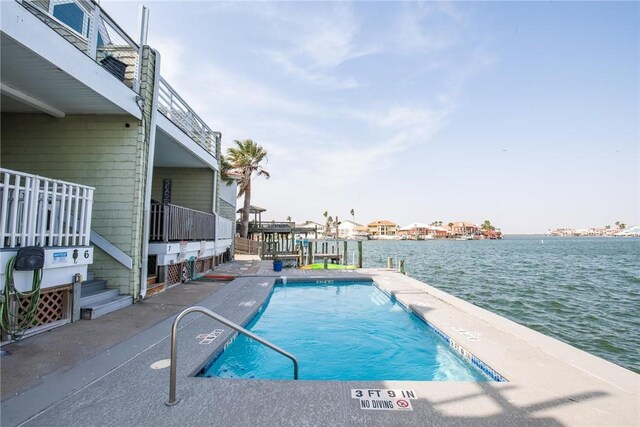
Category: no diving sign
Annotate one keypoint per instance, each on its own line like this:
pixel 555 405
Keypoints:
pixel 384 399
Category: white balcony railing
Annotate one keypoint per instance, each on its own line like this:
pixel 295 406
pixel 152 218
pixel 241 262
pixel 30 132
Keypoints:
pixel 178 111
pixel 225 229
pixel 84 24
pixel 38 211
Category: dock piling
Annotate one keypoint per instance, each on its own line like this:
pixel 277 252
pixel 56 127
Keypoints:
pixel 389 262
pixel 359 253
pixel 309 253
pixel 344 254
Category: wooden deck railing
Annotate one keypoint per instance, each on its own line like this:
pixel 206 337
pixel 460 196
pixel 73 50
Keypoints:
pixel 246 246
pixel 170 223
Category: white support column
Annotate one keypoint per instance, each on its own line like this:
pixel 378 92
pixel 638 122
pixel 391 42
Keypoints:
pixel 14 211
pixel 63 204
pixel 94 32
pixel 43 214
pixel 25 211
pixel 76 203
pixel 4 208
pixel 33 212
pixel 52 217
pixel 82 232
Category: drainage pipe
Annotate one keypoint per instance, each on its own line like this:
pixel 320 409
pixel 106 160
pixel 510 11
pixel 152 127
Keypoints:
pixel 147 192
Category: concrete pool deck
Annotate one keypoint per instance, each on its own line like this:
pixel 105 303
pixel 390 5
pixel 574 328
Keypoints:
pixel 550 383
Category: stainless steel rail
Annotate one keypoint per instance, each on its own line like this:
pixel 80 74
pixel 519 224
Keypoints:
pixel 174 346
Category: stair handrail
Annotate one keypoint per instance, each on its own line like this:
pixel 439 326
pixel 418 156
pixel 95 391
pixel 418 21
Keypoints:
pixel 174 346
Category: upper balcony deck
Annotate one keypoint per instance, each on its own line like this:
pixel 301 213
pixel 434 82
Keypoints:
pixel 85 25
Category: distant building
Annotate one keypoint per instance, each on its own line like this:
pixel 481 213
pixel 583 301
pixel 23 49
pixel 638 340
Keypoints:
pixel 415 231
pixel 439 232
pixel 310 229
pixel 464 228
pixel 351 230
pixel 382 229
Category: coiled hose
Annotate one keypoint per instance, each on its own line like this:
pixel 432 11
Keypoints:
pixel 15 322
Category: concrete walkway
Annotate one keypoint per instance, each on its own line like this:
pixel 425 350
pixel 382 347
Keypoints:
pixel 32 361
pixel 550 383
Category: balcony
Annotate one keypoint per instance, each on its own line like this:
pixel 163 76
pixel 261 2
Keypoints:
pixel 38 211
pixel 85 25
pixel 172 223
pixel 174 108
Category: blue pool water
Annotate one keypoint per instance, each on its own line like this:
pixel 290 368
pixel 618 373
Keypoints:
pixel 341 331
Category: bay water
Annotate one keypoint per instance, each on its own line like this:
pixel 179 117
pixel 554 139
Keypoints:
pixel 583 291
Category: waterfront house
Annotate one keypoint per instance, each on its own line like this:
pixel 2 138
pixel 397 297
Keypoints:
pixel 382 229
pixel 350 230
pixel 415 231
pixel 464 228
pixel 103 162
pixel 439 232
pixel 310 230
pixel 491 234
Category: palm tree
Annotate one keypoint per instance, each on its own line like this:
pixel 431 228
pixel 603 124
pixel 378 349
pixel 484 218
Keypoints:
pixel 328 225
pixel 289 219
pixel 244 159
pixel 353 214
pixel 487 225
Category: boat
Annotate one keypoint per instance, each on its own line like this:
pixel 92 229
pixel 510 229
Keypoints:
pixel 464 238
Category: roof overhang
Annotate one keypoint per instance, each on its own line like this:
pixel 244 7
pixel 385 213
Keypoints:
pixel 175 149
pixel 42 72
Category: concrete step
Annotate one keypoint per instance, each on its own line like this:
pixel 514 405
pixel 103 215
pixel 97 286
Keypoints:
pixel 97 297
pixel 91 275
pixel 89 287
pixel 151 280
pixel 100 309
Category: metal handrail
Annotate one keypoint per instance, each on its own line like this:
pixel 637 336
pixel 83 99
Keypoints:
pixel 174 346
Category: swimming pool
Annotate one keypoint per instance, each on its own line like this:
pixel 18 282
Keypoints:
pixel 341 331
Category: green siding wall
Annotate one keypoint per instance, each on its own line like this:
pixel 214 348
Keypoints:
pixel 190 188
pixel 99 151
pixel 227 210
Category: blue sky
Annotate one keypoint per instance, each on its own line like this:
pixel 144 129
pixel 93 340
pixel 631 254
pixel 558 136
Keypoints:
pixel 526 114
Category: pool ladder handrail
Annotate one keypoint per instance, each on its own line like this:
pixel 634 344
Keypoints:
pixel 174 346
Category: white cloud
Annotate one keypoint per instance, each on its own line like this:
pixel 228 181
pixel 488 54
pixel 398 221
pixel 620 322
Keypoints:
pixel 313 143
pixel 318 78
pixel 428 27
pixel 316 44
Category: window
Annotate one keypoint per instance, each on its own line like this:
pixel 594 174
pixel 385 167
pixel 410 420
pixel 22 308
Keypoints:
pixel 72 15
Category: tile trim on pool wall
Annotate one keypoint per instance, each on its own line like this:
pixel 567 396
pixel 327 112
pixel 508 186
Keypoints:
pixel 470 357
pixel 320 280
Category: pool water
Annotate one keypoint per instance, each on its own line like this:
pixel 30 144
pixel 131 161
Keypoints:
pixel 341 331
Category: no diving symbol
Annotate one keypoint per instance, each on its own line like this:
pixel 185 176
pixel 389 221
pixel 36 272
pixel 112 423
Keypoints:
pixel 402 403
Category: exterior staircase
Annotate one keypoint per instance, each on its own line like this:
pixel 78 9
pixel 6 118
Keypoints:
pixel 97 300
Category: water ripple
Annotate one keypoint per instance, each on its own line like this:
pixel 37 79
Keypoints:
pixel 584 291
